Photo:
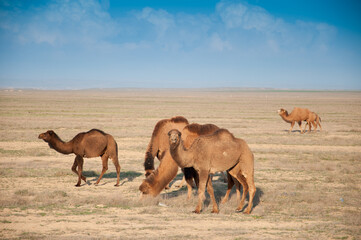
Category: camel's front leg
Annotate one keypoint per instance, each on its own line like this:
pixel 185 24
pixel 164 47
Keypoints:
pixel 203 177
pixel 105 167
pixel 73 168
pixel 229 188
pixel 80 162
pixel 300 126
pixel 292 124
pixel 211 194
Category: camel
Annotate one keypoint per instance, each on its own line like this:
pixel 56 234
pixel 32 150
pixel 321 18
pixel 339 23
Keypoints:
pixel 158 144
pixel 93 143
pixel 297 115
pixel 167 170
pixel 315 120
pixel 216 152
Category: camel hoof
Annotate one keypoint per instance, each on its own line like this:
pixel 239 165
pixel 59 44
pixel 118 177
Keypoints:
pixel 116 185
pixel 78 185
pixel 197 211
pixel 215 211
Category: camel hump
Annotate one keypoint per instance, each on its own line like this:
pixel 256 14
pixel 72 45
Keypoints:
pixel 179 119
pixel 97 130
pixel 201 129
pixel 223 134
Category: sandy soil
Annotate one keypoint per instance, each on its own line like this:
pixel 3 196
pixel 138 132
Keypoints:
pixel 308 185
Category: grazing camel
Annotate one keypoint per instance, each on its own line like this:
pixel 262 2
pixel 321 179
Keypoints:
pixel 297 115
pixel 216 152
pixel 168 168
pixel 93 143
pixel 158 144
pixel 315 120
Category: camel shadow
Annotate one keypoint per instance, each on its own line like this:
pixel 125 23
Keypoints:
pixel 128 176
pixel 220 189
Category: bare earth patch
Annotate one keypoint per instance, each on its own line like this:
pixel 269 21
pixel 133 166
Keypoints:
pixel 308 185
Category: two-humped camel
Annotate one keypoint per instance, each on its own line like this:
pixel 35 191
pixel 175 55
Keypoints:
pixel 93 143
pixel 298 115
pixel 208 154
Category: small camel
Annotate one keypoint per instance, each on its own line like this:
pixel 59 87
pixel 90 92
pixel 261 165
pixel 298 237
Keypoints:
pixel 315 120
pixel 297 115
pixel 93 143
pixel 216 152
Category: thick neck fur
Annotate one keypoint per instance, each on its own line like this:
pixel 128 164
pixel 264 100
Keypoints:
pixel 286 117
pixel 180 155
pixel 60 146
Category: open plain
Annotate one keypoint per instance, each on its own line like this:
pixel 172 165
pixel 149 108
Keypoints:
pixel 308 185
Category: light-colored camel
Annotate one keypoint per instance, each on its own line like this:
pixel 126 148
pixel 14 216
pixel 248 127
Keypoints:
pixel 216 152
pixel 297 115
pixel 314 120
pixel 158 145
pixel 168 168
pixel 93 143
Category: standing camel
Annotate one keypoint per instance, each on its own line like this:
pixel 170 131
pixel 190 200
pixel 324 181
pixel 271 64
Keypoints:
pixel 216 152
pixel 297 115
pixel 93 143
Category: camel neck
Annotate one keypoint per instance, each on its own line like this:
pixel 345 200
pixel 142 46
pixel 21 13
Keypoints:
pixel 181 156
pixel 60 146
pixel 286 117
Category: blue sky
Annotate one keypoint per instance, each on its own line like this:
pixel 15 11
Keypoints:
pixel 79 44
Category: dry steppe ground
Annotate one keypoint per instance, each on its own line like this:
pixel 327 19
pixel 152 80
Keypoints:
pixel 308 186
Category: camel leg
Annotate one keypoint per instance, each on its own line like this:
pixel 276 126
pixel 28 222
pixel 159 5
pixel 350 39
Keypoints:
pixel 73 168
pixel 203 177
pixel 245 191
pixel 314 126
pixel 117 167
pixel 252 192
pixel 80 162
pixel 211 194
pixel 229 188
pixel 320 126
pixel 105 167
pixel 300 125
pixel 309 125
pixel 292 124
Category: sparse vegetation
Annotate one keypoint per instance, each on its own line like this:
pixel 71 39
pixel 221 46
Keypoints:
pixel 307 185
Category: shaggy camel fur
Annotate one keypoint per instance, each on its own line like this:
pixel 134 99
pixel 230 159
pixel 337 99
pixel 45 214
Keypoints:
pixel 297 115
pixel 158 144
pixel 93 143
pixel 216 152
pixel 315 120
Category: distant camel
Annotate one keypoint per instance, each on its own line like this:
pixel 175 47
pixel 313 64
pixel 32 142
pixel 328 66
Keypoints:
pixel 297 115
pixel 93 143
pixel 315 120
pixel 216 152
pixel 158 144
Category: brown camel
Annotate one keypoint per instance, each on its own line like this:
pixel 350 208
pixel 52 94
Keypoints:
pixel 158 144
pixel 216 152
pixel 297 115
pixel 167 170
pixel 315 120
pixel 90 144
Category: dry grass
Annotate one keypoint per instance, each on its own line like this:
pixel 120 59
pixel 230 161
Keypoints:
pixel 307 185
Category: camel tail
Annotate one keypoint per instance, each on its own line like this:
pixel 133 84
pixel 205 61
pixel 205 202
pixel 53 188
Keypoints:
pixel 149 158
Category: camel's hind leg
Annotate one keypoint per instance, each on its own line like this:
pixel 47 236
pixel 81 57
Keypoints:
pixel 117 167
pixel 105 167
pixel 80 162
pixel 73 168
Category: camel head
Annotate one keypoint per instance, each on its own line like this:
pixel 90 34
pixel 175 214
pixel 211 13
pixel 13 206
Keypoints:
pixel 281 111
pixel 144 187
pixel 174 137
pixel 46 136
